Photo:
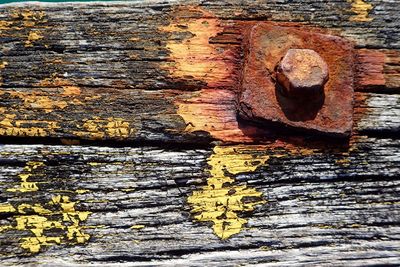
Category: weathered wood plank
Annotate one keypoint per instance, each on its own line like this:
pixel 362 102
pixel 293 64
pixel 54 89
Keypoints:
pixel 133 204
pixel 167 73
pixel 159 72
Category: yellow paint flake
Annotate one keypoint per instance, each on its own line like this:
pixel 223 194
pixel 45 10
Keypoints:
pixel 33 37
pixel 10 126
pixel 5 25
pixel 137 226
pixel 94 163
pixel 29 15
pixel 3 64
pixel 128 189
pixel 221 200
pixel 66 219
pixel 43 102
pixel 36 101
pixel 98 128
pixel 37 219
pixel 25 19
pixel 26 186
pixel 362 9
pixel 70 215
pixel 4 208
pixel 343 162
pixel 69 89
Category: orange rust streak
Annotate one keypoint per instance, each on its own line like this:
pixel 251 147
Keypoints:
pixel 370 65
pixel 213 111
pixel 195 57
pixel 210 110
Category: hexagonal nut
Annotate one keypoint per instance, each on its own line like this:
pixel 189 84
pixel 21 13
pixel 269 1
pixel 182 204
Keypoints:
pixel 302 73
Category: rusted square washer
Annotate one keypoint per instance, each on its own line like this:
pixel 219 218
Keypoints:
pixel 260 98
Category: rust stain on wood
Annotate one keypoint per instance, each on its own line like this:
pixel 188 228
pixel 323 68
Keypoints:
pixel 370 69
pixel 377 69
pixel 195 57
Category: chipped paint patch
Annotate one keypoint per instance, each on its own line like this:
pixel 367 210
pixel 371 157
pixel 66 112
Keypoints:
pixel 222 200
pixel 26 186
pixel 58 214
pixel 362 9
pixel 33 36
pixel 97 128
pixel 3 64
pixel 69 88
pixel 5 25
pixel 137 226
pixel 6 208
pixel 10 126
pixel 22 22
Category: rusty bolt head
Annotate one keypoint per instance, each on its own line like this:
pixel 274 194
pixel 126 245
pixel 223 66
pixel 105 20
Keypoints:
pixel 302 73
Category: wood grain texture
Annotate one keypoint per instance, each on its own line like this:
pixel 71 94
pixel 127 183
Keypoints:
pixel 323 204
pixel 158 71
pixel 154 83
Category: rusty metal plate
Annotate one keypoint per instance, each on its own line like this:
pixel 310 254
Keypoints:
pixel 261 99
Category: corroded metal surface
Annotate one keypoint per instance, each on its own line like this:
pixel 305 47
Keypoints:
pixel 262 98
pixel 302 73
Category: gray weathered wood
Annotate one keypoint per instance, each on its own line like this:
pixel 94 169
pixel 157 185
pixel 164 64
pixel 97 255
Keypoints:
pixel 316 203
pixel 110 72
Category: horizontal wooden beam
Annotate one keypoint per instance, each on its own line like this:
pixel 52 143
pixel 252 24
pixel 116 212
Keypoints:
pixel 139 204
pixel 159 72
pixel 157 76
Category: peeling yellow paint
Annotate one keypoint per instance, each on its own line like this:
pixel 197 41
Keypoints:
pixel 44 219
pixel 37 219
pixel 128 189
pixel 70 215
pixel 33 100
pixel 3 64
pixel 26 186
pixel 69 89
pixel 10 126
pixel 29 15
pixel 362 9
pixel 43 102
pixel 33 37
pixel 4 208
pixel 343 162
pixel 221 200
pixel 94 163
pixel 25 19
pixel 5 25
pixel 97 128
pixel 137 226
